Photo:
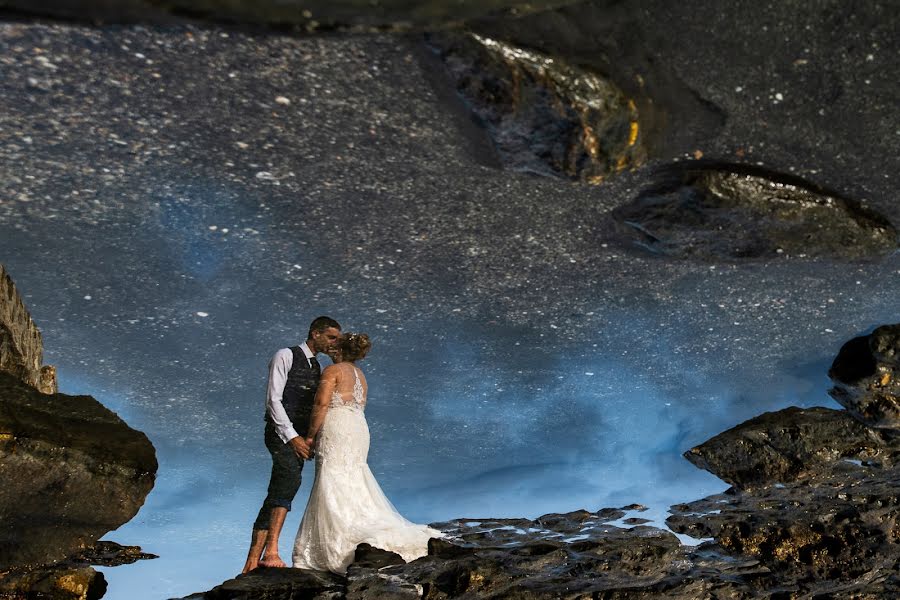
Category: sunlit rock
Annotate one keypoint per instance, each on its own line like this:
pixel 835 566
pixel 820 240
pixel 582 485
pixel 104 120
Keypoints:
pixel 21 348
pixel 543 114
pixel 866 374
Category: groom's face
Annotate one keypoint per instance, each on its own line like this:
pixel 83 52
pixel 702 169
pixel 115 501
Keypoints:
pixel 325 340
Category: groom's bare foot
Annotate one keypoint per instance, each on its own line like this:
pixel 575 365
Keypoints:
pixel 272 560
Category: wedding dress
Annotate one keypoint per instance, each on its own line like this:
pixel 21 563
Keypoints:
pixel 346 506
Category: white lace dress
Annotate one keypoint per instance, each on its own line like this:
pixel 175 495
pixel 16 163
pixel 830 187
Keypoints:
pixel 346 505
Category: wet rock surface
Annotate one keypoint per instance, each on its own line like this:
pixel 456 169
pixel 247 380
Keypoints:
pixel 544 116
pixel 813 513
pixel 792 444
pixel 303 15
pixel 740 212
pixel 72 578
pixel 866 374
pixel 276 584
pixel 72 471
pixel 834 534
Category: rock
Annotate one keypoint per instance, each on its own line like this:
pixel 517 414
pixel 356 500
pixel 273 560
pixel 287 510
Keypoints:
pixel 790 445
pixel 837 532
pixel 72 578
pixel 277 584
pixel 63 583
pixel 311 15
pixel 71 471
pixel 110 554
pixel 573 555
pixel 370 557
pixel 21 348
pixel 543 114
pixel 866 373
pixel 718 211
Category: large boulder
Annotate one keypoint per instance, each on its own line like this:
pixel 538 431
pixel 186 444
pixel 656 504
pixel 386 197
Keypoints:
pixel 71 470
pixel 866 373
pixel 790 445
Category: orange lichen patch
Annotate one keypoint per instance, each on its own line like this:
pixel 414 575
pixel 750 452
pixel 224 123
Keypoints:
pixel 591 143
pixel 633 129
pixel 790 548
pixel 74 583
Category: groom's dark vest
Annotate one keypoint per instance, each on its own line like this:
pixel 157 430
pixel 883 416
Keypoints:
pixel 300 390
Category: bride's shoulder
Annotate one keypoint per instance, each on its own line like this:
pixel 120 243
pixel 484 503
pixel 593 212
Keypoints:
pixel 331 371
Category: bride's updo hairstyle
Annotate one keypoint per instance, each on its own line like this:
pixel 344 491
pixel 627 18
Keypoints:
pixel 354 346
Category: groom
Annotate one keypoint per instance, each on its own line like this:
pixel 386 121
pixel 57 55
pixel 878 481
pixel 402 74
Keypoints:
pixel 293 381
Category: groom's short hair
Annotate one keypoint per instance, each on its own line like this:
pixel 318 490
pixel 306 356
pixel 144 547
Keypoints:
pixel 321 324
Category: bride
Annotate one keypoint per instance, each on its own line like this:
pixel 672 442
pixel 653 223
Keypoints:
pixel 346 506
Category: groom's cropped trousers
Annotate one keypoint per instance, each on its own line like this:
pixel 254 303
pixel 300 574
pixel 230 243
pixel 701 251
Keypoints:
pixel 284 480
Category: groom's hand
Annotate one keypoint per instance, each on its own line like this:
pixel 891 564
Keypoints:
pixel 301 448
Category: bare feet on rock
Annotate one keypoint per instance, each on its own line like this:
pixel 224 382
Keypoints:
pixel 272 560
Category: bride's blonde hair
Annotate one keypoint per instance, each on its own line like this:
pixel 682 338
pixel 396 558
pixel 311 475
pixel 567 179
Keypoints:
pixel 354 346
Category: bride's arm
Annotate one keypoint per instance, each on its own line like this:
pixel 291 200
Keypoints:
pixel 327 385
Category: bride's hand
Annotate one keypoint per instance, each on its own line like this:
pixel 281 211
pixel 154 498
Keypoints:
pixel 311 442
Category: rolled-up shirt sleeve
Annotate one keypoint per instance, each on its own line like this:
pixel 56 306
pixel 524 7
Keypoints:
pixel 279 367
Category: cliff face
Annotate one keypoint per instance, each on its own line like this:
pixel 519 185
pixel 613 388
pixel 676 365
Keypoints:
pixel 21 347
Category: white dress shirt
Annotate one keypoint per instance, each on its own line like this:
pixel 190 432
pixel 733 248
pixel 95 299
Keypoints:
pixel 279 367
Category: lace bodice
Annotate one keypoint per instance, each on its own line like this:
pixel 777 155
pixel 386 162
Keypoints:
pixel 356 399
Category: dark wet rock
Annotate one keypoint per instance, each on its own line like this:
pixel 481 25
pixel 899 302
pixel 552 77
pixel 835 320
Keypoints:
pixel 711 211
pixel 72 578
pixel 363 580
pixel 520 558
pixel 110 554
pixel 543 114
pixel 838 531
pixel 866 374
pixel 391 15
pixel 21 346
pixel 792 444
pixel 277 584
pixel 71 469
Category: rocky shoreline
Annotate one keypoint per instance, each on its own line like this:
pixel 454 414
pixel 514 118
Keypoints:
pixel 813 511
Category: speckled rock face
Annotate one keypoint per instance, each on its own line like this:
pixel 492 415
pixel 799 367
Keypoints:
pixel 866 374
